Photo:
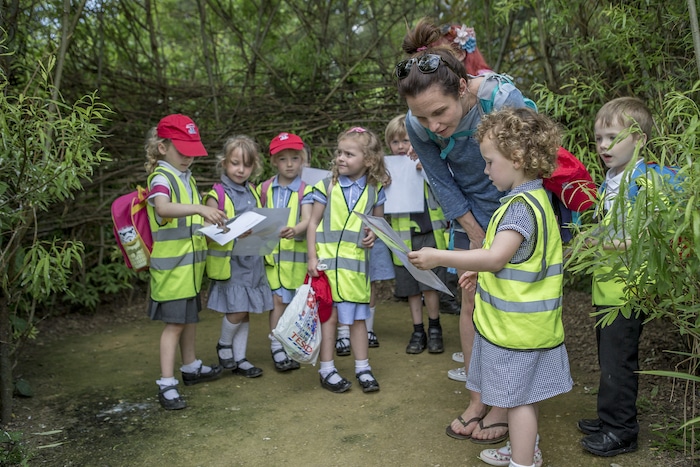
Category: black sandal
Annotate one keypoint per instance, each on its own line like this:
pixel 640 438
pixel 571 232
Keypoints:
pixel 227 363
pixel 342 346
pixel 171 404
pixel 252 372
pixel 285 365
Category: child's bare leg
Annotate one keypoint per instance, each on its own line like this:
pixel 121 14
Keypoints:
pixel 169 340
pixel 277 310
pixel 523 436
pixel 187 343
pixel 358 340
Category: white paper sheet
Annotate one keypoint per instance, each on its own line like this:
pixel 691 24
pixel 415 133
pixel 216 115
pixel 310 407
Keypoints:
pixel 312 176
pixel 265 236
pixel 405 193
pixel 385 233
pixel 233 228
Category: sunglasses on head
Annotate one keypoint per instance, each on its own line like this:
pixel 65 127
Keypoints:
pixel 428 63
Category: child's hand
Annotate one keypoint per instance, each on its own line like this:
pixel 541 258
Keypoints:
pixel 370 237
pixel 412 154
pixel 311 267
pixel 245 234
pixel 423 258
pixel 287 232
pixel 468 281
pixel 213 215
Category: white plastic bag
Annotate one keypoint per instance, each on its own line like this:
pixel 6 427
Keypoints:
pixel 299 328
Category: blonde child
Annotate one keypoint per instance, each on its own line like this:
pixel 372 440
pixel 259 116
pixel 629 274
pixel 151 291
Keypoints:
pixel 420 229
pixel 239 283
pixel 622 128
pixel 518 357
pixel 175 212
pixel 286 266
pixel 338 242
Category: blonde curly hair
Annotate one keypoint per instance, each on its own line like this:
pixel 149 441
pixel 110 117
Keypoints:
pixel 522 135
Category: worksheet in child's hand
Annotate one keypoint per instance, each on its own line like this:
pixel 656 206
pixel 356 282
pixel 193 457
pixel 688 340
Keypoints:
pixel 385 233
pixel 233 228
pixel 265 236
pixel 405 192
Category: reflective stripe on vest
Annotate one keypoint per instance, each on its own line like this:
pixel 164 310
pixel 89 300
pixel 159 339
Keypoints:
pixel 519 307
pixel 178 256
pixel 402 224
pixel 338 243
pixel 218 260
pixel 286 265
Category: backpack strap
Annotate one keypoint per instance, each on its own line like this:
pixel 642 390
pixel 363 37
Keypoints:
pixel 219 189
pixel 264 186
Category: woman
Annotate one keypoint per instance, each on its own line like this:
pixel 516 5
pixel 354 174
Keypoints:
pixel 444 112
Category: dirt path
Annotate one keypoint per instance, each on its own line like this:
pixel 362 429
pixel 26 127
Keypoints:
pixel 97 387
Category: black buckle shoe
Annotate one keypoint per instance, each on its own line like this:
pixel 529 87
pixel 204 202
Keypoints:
pixel 285 365
pixel 372 340
pixel 435 340
pixel 588 426
pixel 198 377
pixel 171 404
pixel 607 444
pixel 226 363
pixel 252 372
pixel 417 343
pixel 341 386
pixel 342 346
pixel 370 385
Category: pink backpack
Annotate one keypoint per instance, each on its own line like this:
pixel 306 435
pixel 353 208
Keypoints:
pixel 132 230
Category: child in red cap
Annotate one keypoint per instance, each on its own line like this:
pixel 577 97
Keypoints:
pixel 175 212
pixel 286 265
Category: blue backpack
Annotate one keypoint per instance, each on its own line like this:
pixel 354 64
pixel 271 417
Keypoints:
pixel 668 173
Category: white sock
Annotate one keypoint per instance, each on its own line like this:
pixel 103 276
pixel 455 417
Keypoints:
pixel 228 329
pixel 513 464
pixel 327 368
pixel 369 322
pixel 164 383
pixel 274 346
pixel 192 367
pixel 240 343
pixel 343 331
pixel 363 365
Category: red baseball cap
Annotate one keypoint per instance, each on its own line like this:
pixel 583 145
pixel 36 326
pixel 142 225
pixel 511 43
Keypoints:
pixel 285 141
pixel 181 130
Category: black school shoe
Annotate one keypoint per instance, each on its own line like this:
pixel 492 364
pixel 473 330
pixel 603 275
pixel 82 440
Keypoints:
pixel 370 385
pixel 588 426
pixel 417 344
pixel 341 386
pixel 198 377
pixel 171 404
pixel 435 344
pixel 606 444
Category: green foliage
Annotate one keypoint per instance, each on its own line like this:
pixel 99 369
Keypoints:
pixel 48 152
pixel 101 281
pixel 12 450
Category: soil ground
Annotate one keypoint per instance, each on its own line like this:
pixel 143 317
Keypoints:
pixel 95 400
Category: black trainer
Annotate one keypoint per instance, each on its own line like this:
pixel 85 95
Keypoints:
pixel 588 426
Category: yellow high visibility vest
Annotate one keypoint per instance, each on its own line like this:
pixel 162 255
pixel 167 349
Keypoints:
pixel 519 307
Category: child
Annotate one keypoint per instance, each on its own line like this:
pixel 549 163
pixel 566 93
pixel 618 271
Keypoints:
pixel 239 284
pixel 175 212
pixel 622 127
pixel 417 230
pixel 338 243
pixel 286 266
pixel 518 357
pixel 380 269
